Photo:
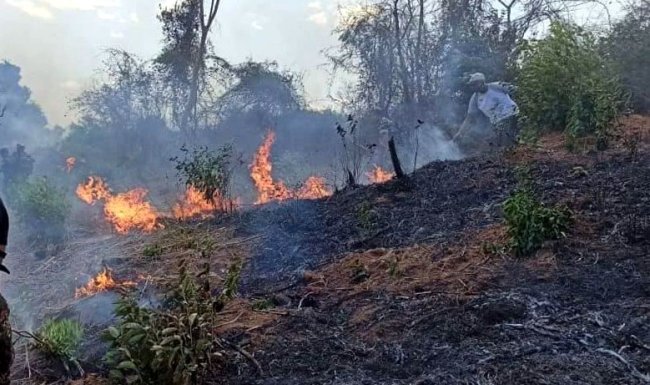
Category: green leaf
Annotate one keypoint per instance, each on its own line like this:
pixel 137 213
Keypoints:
pixel 127 365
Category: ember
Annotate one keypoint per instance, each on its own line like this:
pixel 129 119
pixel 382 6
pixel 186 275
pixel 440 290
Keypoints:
pixel 269 190
pixel 126 211
pixel 102 282
pixel 379 175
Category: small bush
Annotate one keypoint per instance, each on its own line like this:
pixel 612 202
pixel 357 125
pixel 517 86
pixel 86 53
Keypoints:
pixel 209 172
pixel 565 85
pixel 60 339
pixel 42 209
pixel 175 345
pixel 530 223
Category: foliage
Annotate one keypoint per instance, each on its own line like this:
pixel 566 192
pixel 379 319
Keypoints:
pixel 175 345
pixel 231 283
pixel 564 85
pixel 60 339
pixel 366 217
pixel 42 209
pixel 207 171
pixel 530 223
pixel 627 48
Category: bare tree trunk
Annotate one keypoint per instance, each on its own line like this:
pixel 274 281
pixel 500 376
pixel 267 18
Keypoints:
pixel 408 97
pixel 418 52
pixel 397 166
pixel 199 65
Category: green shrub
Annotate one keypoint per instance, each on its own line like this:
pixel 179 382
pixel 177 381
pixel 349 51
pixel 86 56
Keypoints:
pixel 42 209
pixel 175 345
pixel 60 339
pixel 530 223
pixel 209 172
pixel 565 85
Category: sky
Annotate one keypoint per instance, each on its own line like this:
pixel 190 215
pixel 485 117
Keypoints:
pixel 59 44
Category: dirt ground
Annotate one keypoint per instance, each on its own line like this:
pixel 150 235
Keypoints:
pixel 404 283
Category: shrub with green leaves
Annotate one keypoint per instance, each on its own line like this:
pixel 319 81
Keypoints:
pixel 207 171
pixel 175 345
pixel 565 85
pixel 60 339
pixel 42 209
pixel 530 223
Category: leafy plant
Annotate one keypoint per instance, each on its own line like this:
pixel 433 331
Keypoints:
pixel 42 209
pixel 366 217
pixel 530 223
pixel 565 85
pixel 175 345
pixel 207 171
pixel 60 339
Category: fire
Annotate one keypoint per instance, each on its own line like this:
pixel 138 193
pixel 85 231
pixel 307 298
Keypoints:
pixel 267 189
pixel 379 175
pixel 270 190
pixel 102 282
pixel 314 188
pixel 93 190
pixel 125 211
pixel 70 163
pixel 129 210
pixel 194 205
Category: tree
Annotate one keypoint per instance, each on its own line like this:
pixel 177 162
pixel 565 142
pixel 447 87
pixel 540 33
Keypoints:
pixel 627 48
pixel 22 119
pixel 186 29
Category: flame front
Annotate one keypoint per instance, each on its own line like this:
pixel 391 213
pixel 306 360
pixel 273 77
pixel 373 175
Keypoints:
pixel 269 190
pixel 126 211
pixel 379 175
pixel 195 205
pixel 129 210
pixel 93 190
pixel 70 163
pixel 102 282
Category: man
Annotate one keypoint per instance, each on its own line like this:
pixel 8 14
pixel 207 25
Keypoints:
pixel 491 110
pixel 6 354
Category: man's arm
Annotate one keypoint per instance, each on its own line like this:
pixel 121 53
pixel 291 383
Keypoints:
pixel 470 119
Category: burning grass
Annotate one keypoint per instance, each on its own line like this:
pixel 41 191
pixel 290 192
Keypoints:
pixel 102 282
pixel 125 211
pixel 379 175
pixel 269 190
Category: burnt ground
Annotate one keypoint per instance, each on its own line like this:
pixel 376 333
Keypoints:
pixel 395 284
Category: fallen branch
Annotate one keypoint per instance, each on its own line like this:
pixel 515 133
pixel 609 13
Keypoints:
pixel 248 356
pixel 633 369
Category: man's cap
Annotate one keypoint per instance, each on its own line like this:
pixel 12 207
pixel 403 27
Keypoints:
pixel 476 77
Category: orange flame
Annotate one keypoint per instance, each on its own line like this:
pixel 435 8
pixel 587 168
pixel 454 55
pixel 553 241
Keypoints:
pixel 194 205
pixel 379 175
pixel 314 187
pixel 125 211
pixel 93 190
pixel 70 163
pixel 269 190
pixel 102 282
